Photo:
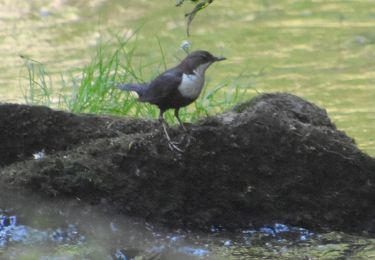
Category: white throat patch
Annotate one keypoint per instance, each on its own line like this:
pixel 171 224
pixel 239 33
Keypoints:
pixel 192 84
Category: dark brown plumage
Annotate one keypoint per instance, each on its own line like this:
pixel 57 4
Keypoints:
pixel 176 87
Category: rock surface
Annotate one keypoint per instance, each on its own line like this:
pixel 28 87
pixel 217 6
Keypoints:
pixel 276 158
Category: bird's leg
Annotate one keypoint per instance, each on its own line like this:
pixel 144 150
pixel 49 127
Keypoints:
pixel 178 119
pixel 188 135
pixel 171 145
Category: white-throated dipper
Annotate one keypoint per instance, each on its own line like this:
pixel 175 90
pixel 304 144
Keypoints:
pixel 176 87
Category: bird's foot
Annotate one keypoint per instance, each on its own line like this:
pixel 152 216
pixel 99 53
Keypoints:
pixel 184 140
pixel 173 147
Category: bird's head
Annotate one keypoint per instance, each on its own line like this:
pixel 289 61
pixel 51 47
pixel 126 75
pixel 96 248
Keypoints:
pixel 200 60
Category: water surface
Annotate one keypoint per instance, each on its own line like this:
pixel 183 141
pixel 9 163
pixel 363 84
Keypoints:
pixel 35 228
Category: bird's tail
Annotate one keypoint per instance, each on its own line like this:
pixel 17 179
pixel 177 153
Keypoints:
pixel 139 88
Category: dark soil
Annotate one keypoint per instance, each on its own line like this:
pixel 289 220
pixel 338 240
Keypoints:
pixel 276 158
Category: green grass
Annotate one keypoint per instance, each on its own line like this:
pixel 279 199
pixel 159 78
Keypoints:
pixel 93 89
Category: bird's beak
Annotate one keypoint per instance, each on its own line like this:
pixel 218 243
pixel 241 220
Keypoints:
pixel 220 58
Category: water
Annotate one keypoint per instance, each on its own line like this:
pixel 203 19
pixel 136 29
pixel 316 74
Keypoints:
pixel 320 50
pixel 35 228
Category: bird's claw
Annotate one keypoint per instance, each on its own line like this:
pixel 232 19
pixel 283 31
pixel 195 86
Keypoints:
pixel 173 147
pixel 184 140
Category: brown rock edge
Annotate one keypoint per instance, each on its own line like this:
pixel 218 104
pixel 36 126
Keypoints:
pixel 276 158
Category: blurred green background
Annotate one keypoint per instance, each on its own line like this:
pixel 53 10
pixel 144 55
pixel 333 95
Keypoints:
pixel 321 50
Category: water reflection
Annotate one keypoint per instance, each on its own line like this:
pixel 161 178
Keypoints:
pixel 36 228
pixel 149 241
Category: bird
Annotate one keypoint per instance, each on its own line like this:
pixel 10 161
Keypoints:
pixel 175 88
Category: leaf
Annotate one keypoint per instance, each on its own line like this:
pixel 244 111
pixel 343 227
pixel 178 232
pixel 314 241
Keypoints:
pixel 190 16
pixel 179 2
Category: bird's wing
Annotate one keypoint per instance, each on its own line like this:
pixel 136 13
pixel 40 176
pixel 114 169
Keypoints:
pixel 163 85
